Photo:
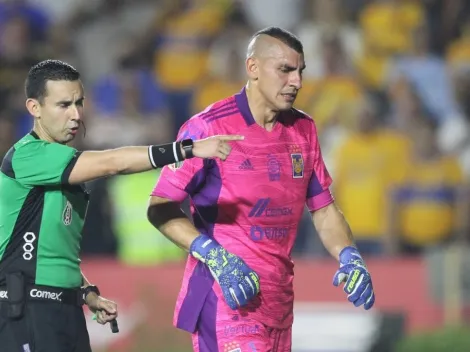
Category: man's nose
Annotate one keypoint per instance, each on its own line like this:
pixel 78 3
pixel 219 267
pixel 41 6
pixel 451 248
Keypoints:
pixel 76 112
pixel 296 80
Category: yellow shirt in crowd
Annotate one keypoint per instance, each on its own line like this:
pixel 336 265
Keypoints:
pixel 426 200
pixel 181 59
pixel 366 166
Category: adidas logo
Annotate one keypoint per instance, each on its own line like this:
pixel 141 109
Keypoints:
pixel 246 165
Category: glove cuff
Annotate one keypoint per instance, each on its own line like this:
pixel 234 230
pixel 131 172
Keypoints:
pixel 201 246
pixel 349 254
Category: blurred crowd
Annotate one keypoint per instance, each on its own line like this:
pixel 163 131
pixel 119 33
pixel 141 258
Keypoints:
pixel 387 82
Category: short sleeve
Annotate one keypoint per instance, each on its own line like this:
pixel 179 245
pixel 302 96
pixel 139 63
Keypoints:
pixel 179 180
pixel 318 191
pixel 40 163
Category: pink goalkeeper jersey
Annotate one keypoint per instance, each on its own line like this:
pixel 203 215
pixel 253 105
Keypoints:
pixel 251 204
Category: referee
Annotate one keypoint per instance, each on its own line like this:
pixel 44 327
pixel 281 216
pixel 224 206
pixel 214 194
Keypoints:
pixel 43 204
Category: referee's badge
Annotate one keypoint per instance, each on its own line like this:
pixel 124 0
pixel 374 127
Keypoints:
pixel 297 165
pixel 67 214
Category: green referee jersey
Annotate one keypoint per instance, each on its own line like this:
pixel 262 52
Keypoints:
pixel 41 215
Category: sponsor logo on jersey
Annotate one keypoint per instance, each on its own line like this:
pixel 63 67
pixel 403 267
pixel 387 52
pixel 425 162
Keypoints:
pixel 4 294
pixel 258 233
pixel 297 165
pixel 67 214
pixel 241 329
pixel 261 209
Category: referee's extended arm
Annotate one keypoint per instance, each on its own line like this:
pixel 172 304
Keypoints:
pixel 91 165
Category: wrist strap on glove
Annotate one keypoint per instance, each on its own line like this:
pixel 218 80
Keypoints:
pixel 350 255
pixel 202 246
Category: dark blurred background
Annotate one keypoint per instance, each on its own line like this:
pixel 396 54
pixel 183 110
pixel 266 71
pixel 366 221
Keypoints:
pixel 388 84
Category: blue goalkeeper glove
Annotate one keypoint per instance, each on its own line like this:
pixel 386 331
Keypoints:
pixel 238 282
pixel 358 284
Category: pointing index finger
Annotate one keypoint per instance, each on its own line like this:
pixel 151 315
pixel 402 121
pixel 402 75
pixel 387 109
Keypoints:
pixel 233 137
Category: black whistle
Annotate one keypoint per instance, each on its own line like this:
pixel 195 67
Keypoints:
pixel 114 326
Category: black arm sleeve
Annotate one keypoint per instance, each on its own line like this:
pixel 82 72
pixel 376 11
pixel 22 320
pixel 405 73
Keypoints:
pixel 165 154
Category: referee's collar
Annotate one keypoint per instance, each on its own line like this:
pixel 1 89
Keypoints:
pixel 34 134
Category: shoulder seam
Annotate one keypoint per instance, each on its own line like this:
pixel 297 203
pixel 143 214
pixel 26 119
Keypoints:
pixel 219 112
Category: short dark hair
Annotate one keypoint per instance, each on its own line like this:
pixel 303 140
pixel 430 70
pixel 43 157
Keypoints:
pixel 48 70
pixel 288 38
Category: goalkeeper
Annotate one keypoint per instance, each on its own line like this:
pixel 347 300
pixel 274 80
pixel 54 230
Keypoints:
pixel 42 210
pixel 237 292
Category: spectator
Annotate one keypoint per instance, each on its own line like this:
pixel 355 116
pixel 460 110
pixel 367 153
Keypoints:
pixel 426 201
pixel 366 165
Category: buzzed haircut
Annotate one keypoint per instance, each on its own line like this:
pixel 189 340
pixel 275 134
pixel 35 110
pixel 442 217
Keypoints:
pixel 284 36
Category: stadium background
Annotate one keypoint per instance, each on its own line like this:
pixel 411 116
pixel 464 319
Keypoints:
pixel 388 83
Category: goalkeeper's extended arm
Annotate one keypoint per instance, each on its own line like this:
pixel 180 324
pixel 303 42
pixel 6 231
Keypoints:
pixel 333 229
pixel 337 238
pixel 239 283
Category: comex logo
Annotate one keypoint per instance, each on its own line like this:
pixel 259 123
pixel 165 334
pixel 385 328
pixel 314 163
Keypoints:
pixel 55 296
pixel 261 208
pixel 28 247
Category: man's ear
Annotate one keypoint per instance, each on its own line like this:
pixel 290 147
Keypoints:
pixel 34 107
pixel 252 68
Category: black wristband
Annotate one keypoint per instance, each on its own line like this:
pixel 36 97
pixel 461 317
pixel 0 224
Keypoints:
pixel 187 145
pixel 165 154
pixel 178 151
pixel 88 289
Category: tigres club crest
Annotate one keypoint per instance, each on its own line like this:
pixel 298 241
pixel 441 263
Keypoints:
pixel 297 165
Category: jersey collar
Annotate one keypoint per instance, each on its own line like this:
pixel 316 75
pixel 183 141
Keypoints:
pixel 242 104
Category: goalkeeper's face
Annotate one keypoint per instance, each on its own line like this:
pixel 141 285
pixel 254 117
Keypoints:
pixel 61 110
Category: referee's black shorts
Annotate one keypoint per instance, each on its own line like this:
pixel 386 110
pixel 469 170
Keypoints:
pixel 46 326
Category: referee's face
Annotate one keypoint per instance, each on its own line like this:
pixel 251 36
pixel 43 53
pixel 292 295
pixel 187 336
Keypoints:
pixel 62 110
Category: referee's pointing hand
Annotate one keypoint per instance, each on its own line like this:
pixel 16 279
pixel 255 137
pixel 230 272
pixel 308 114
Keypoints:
pixel 215 146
